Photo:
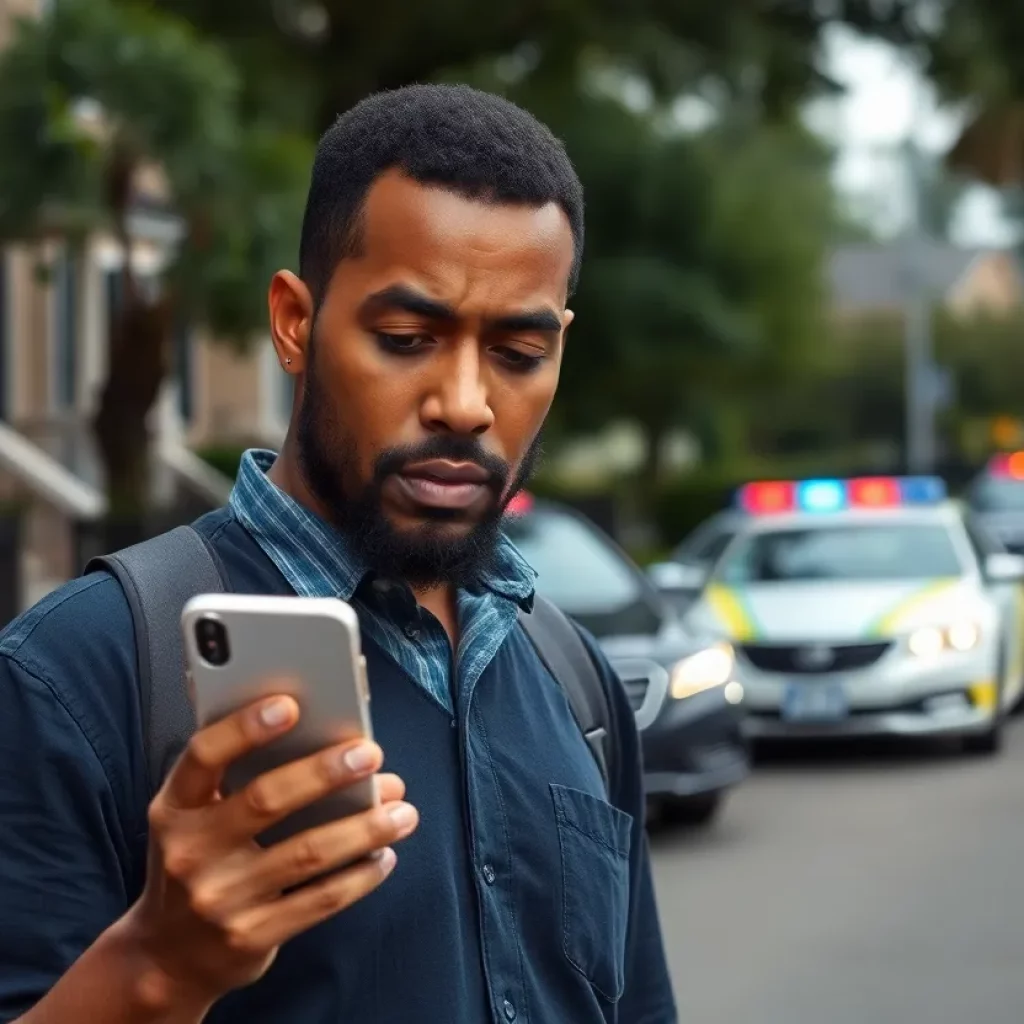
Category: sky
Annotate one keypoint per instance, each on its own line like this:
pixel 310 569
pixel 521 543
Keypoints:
pixel 884 98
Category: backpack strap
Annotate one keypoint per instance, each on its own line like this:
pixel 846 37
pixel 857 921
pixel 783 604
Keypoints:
pixel 158 577
pixel 563 652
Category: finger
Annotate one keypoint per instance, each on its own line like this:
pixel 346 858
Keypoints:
pixel 329 847
pixel 273 923
pixel 390 788
pixel 196 777
pixel 282 791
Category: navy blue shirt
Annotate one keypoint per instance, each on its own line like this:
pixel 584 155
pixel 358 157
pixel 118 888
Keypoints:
pixel 524 895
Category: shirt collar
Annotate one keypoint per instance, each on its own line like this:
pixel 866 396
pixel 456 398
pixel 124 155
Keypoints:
pixel 314 557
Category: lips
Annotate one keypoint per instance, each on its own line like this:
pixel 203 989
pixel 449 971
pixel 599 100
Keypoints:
pixel 448 472
pixel 442 484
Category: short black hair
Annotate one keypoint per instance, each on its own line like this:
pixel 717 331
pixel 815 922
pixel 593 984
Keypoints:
pixel 477 144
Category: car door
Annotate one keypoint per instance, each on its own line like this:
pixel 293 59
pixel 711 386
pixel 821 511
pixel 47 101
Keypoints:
pixel 1009 597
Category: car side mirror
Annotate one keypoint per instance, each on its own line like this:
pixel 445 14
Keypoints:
pixel 1004 568
pixel 674 577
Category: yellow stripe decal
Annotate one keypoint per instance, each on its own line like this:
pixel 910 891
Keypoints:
pixel 983 694
pixel 891 621
pixel 728 607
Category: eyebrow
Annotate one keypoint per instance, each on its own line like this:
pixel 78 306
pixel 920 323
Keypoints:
pixel 402 297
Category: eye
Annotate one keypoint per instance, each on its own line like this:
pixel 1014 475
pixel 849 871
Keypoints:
pixel 402 344
pixel 520 362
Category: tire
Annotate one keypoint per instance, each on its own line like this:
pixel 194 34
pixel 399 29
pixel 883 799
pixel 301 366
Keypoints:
pixel 985 744
pixel 694 810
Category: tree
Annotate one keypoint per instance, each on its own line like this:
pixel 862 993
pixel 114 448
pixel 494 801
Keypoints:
pixel 975 54
pixel 333 52
pixel 91 95
pixel 702 279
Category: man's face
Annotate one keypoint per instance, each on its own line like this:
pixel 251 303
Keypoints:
pixel 429 372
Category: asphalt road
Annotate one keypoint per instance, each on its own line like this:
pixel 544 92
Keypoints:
pixel 872 886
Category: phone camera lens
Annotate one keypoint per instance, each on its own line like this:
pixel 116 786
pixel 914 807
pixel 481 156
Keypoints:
pixel 212 638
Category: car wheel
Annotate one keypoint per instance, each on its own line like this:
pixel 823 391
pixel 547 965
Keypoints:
pixel 986 743
pixel 694 810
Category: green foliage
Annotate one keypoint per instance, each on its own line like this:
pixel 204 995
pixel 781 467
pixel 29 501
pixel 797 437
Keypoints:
pixel 243 233
pixel 164 94
pixel 703 267
pixel 224 458
pixel 92 94
pixel 96 90
pixel 986 356
pixel 855 393
pixel 975 52
pixel 320 57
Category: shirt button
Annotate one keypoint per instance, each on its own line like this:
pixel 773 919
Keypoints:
pixel 510 1011
pixel 489 875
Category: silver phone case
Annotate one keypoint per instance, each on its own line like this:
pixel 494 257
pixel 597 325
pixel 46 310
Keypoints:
pixel 307 648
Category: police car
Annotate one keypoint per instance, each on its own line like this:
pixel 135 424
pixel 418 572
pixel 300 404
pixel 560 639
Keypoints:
pixel 995 500
pixel 866 607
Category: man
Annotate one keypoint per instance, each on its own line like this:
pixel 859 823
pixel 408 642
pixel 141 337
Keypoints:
pixel 442 237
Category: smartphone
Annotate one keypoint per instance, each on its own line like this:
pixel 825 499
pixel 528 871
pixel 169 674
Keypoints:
pixel 240 648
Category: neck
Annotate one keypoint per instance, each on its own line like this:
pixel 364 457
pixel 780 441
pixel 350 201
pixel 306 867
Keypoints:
pixel 285 474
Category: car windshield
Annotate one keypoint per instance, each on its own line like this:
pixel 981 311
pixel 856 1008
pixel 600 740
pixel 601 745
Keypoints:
pixel 883 552
pixel 583 574
pixel 993 494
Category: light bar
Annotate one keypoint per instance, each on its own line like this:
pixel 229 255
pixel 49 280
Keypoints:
pixel 769 497
pixel 1008 465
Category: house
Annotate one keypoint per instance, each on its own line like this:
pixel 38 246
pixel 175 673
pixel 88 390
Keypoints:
pixel 54 315
pixel 55 307
pixel 872 279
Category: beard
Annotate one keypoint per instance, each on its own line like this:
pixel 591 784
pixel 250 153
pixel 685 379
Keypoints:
pixel 444 549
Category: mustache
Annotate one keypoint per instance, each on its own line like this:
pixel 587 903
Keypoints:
pixel 451 449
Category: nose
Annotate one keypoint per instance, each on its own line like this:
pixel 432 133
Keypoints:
pixel 458 401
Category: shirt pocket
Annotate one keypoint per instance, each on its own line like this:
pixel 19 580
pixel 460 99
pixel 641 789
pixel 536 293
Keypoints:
pixel 595 839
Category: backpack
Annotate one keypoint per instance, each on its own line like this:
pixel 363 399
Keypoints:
pixel 160 575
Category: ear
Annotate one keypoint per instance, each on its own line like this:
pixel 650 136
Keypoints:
pixel 291 320
pixel 567 318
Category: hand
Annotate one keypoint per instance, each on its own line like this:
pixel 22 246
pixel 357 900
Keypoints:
pixel 216 905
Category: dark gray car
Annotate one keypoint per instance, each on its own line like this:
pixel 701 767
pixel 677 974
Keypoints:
pixel 687 705
pixel 995 504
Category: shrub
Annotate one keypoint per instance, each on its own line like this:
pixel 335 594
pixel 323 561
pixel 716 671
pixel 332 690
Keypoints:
pixel 224 458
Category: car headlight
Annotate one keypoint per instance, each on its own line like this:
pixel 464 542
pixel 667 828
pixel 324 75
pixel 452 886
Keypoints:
pixel 704 670
pixel 930 641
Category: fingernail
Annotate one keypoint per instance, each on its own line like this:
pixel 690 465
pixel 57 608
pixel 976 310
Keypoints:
pixel 276 713
pixel 359 759
pixel 402 816
pixel 386 861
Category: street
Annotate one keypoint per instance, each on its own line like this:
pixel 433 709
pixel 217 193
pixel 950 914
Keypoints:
pixel 864 887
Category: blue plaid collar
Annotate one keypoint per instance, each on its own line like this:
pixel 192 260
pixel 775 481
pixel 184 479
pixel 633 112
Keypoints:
pixel 314 557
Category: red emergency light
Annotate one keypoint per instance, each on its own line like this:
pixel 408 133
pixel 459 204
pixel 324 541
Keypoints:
pixel 520 505
pixel 767 497
pixel 1011 465
pixel 874 492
